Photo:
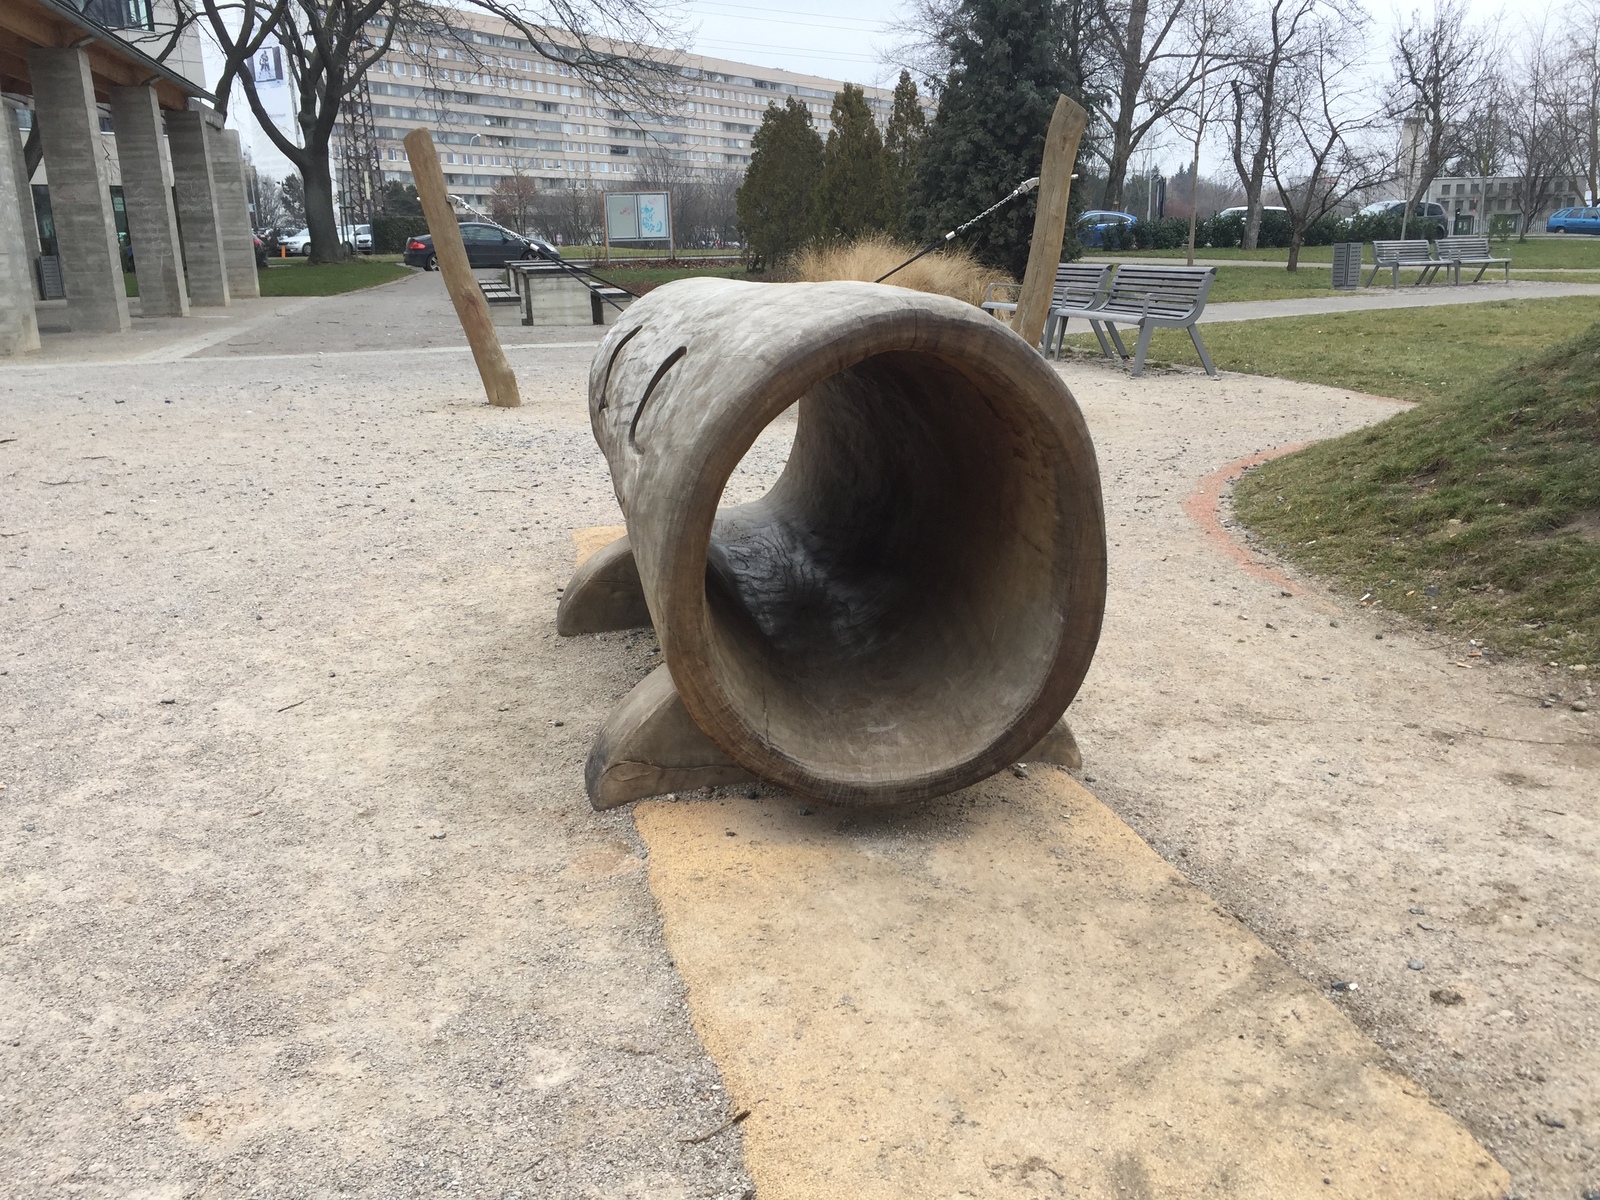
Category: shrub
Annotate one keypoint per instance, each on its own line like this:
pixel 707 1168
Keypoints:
pixel 390 234
pixel 950 272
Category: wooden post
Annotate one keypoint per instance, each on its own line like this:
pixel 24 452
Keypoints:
pixel 471 308
pixel 1050 221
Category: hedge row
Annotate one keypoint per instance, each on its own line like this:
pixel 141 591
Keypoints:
pixel 1170 233
pixel 390 234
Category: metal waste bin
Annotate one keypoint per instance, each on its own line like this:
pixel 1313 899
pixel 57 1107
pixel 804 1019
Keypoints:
pixel 1347 266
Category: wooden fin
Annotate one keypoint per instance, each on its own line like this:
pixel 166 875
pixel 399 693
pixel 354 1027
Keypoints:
pixel 1058 746
pixel 649 746
pixel 604 594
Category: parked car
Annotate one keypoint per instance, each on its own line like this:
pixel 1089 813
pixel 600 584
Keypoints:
pixel 357 240
pixel 487 246
pixel 1424 208
pixel 1574 220
pixel 1092 226
pixel 1244 211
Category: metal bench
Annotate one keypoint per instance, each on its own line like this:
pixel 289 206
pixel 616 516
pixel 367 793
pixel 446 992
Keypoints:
pixel 1471 251
pixel 1152 298
pixel 1391 256
pixel 1077 284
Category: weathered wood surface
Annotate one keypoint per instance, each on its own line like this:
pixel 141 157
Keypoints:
pixel 1050 218
pixel 916 601
pixel 499 381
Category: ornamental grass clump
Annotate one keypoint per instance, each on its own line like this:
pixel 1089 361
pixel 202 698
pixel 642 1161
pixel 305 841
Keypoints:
pixel 950 272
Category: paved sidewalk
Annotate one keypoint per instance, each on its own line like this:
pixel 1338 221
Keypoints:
pixel 1378 298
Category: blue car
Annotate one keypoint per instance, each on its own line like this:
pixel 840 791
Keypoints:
pixel 1092 226
pixel 1574 220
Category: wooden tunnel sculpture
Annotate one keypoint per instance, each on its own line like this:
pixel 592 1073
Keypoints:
pixel 913 604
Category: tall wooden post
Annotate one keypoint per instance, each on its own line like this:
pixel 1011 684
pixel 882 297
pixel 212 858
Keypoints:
pixel 451 254
pixel 1050 221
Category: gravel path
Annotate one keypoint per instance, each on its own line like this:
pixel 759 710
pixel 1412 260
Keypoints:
pixel 1337 780
pixel 300 891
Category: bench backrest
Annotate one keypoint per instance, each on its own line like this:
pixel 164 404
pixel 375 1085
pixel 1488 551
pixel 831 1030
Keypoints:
pixel 1173 292
pixel 1079 281
pixel 1464 246
pixel 1409 251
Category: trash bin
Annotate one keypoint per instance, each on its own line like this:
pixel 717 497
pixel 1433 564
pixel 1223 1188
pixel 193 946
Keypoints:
pixel 1347 265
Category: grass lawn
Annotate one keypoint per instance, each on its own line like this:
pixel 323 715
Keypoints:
pixel 1410 354
pixel 1575 250
pixel 1253 283
pixel 297 277
pixel 643 279
pixel 1477 512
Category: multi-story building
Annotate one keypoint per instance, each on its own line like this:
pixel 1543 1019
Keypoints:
pixel 1475 204
pixel 499 108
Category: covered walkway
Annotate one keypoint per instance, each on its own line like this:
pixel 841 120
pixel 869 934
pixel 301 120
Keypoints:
pixel 65 78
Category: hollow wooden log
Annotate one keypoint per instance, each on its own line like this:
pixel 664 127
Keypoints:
pixel 917 599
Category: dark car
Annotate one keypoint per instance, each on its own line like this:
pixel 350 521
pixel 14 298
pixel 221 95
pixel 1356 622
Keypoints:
pixel 487 246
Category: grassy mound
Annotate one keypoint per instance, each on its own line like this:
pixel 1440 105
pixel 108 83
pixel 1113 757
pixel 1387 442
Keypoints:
pixel 1479 514
pixel 951 272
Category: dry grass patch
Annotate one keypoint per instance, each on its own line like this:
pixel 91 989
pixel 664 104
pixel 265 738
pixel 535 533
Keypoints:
pixel 951 272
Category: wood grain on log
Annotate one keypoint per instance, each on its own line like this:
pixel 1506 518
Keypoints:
pixel 499 381
pixel 1050 219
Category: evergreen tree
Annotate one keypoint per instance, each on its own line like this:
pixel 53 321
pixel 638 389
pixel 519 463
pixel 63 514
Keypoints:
pixel 775 200
pixel 853 192
pixel 294 203
pixel 902 150
pixel 1008 65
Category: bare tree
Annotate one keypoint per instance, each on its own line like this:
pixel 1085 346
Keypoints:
pixel 1321 153
pixel 329 45
pixel 1200 109
pixel 1540 142
pixel 511 201
pixel 1154 52
pixel 1442 74
pixel 1270 48
pixel 1581 45
pixel 923 33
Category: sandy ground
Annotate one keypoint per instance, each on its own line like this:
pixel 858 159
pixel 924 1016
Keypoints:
pixel 275 617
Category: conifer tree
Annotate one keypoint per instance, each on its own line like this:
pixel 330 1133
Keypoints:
pixel 775 201
pixel 1009 63
pixel 902 149
pixel 853 191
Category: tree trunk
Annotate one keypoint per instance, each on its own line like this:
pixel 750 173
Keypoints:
pixel 1296 239
pixel 317 173
pixel 1127 104
pixel 1194 173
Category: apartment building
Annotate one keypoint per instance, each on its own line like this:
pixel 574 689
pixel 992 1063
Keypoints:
pixel 499 108
pixel 1475 203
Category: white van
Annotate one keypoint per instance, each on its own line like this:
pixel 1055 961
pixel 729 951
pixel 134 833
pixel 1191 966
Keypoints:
pixel 357 240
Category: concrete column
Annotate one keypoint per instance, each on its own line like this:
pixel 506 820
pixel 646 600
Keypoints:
pixel 152 220
pixel 187 135
pixel 30 222
pixel 80 192
pixel 233 211
pixel 19 326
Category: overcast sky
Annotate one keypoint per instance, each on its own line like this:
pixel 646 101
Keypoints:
pixel 838 39
pixel 843 39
